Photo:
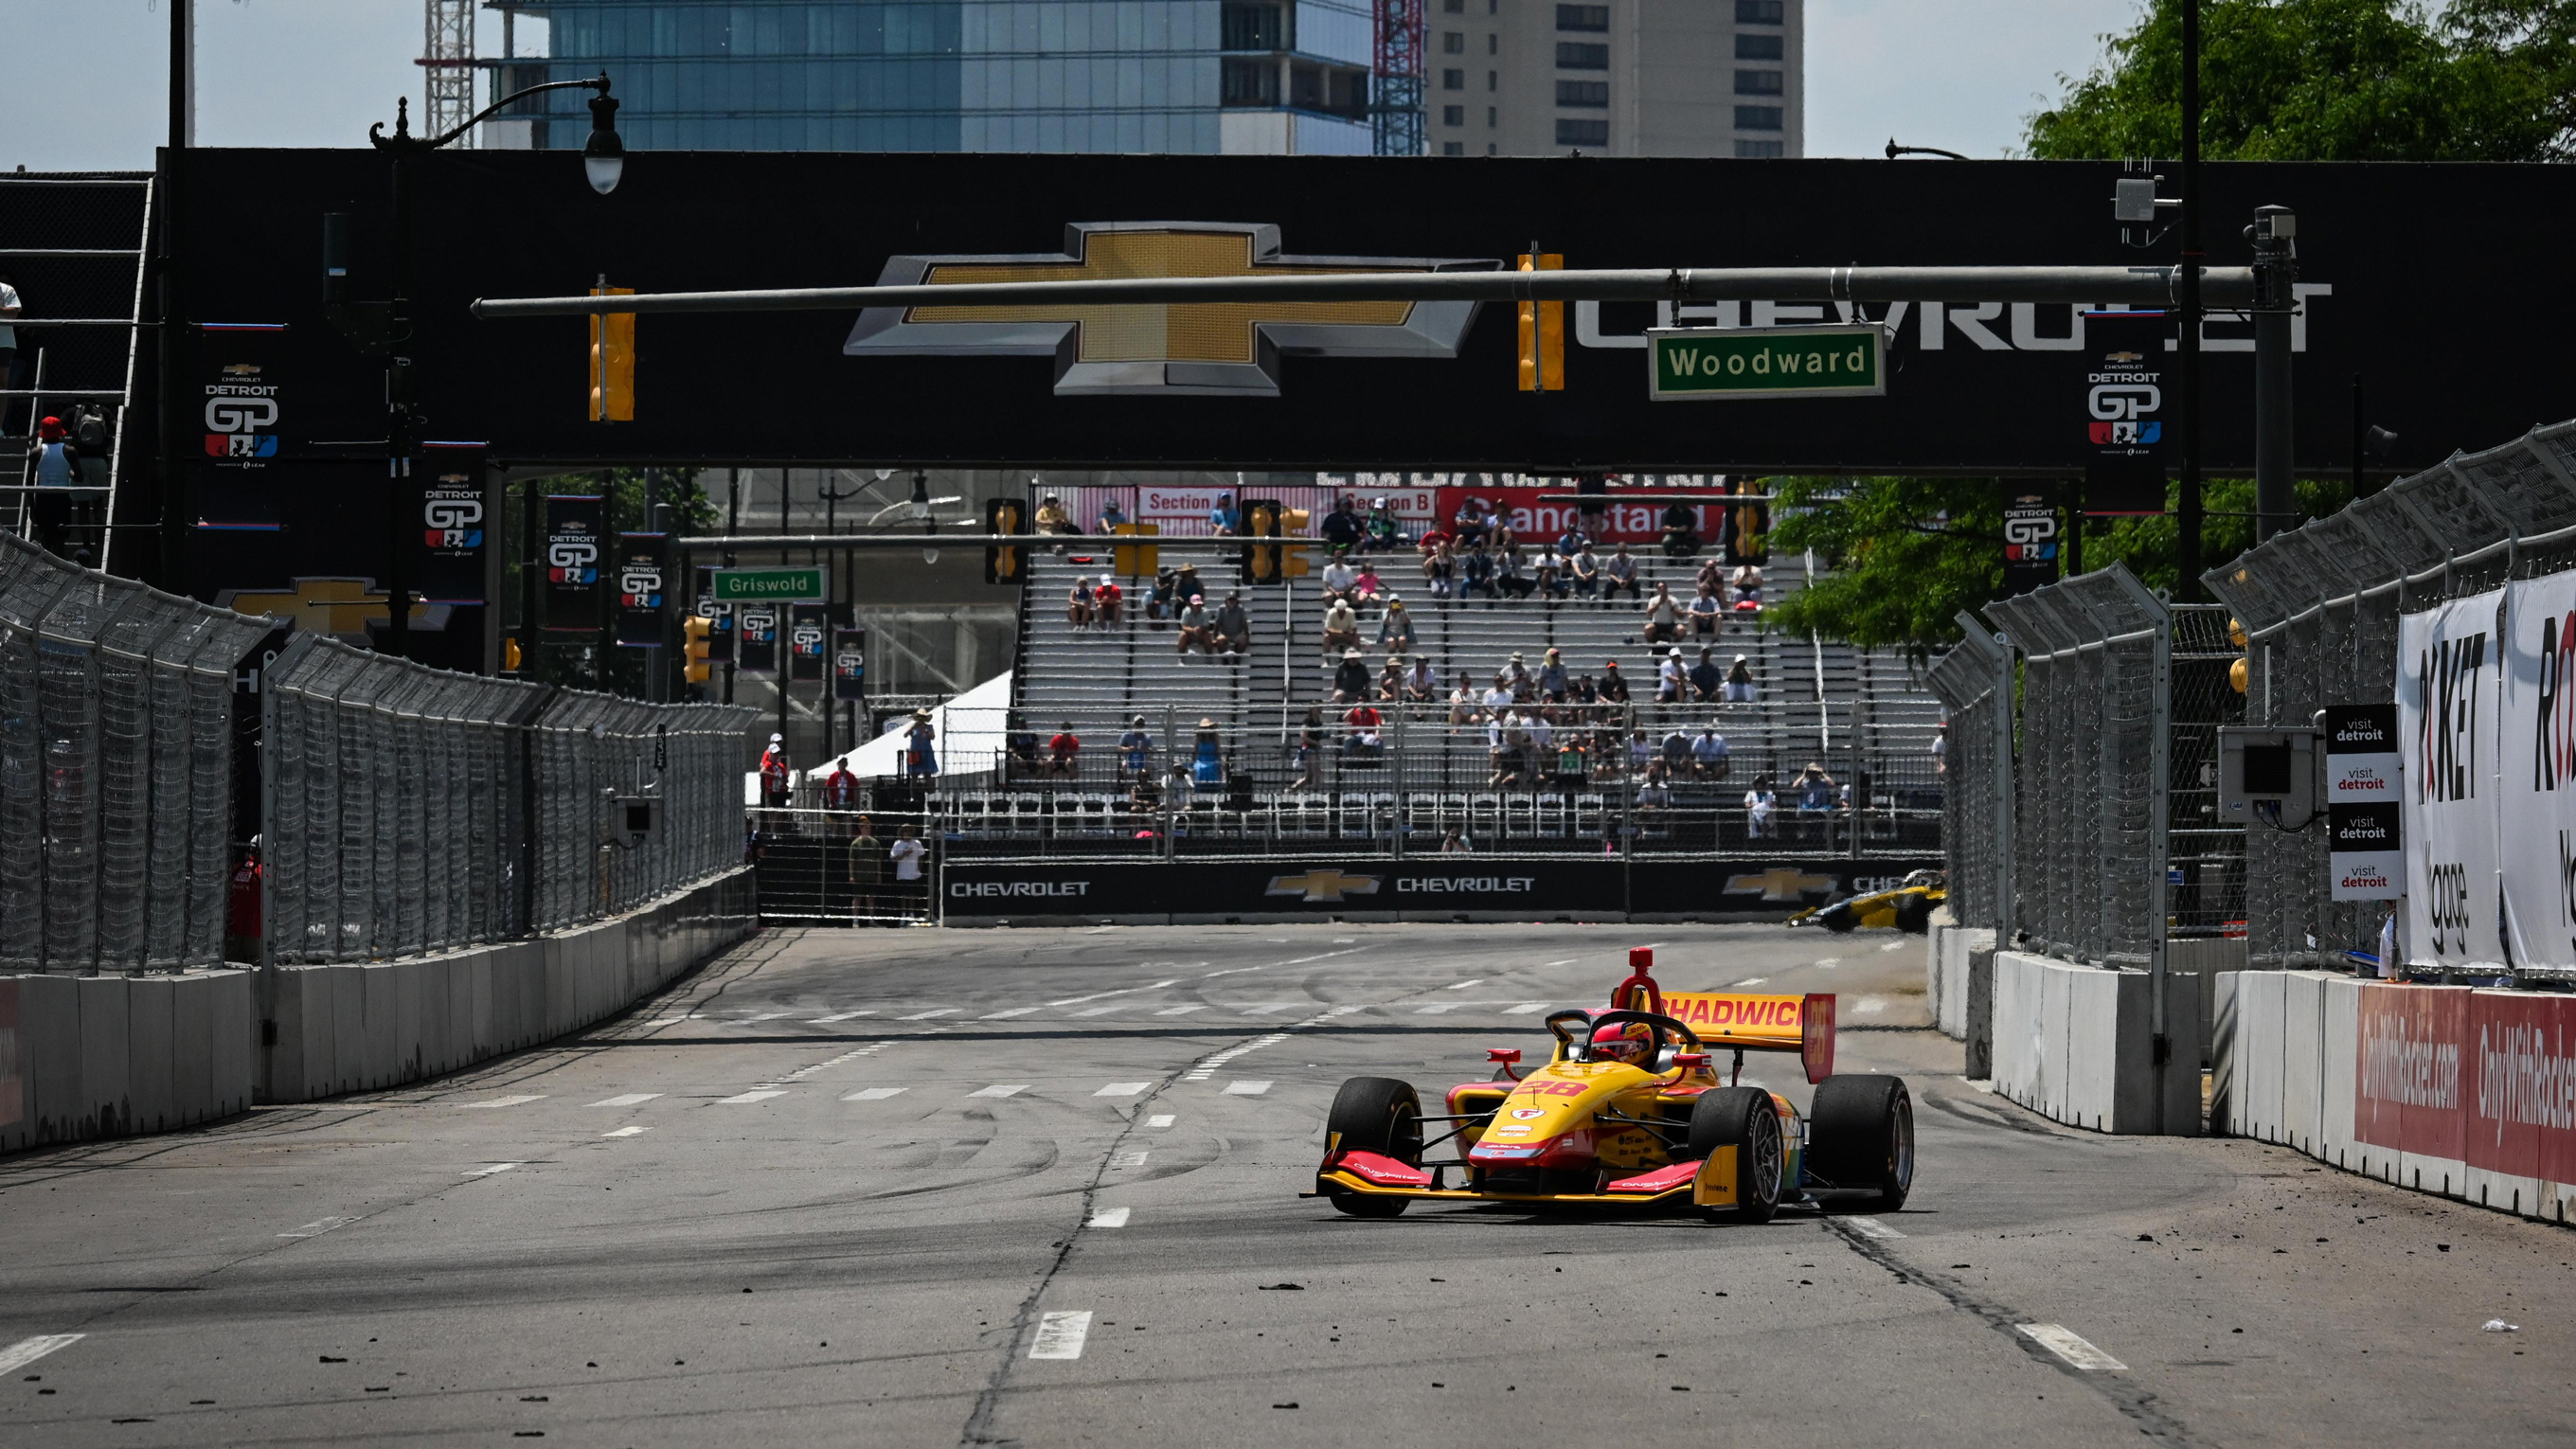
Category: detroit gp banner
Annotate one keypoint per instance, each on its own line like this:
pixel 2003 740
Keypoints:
pixel 2447 662
pixel 2536 798
pixel 573 546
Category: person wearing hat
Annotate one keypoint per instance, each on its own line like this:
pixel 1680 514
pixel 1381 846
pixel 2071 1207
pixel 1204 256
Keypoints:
pixel 1614 685
pixel 1551 679
pixel 1207 758
pixel 1516 677
pixel 1672 682
pixel 1078 602
pixel 1232 631
pixel 1052 517
pixel 920 754
pixel 1136 751
pixel 1196 628
pixel 1395 631
pixel 1106 601
pixel 1390 679
pixel 1421 683
pixel 1223 520
pixel 1113 516
pixel 774 773
pixel 1164 598
pixel 1350 677
pixel 1385 532
pixel 1342 527
pixel 1341 626
pixel 1739 681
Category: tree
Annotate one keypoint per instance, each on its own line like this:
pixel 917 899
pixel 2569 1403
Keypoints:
pixel 2329 80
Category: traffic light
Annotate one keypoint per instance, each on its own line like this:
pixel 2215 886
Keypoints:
pixel 510 656
pixel 1261 561
pixel 1293 522
pixel 1006 563
pixel 698 634
pixel 612 360
pixel 1542 332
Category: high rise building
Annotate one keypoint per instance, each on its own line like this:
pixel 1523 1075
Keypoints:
pixel 1617 78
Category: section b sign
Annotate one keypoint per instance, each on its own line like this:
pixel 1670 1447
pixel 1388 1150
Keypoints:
pixel 1696 364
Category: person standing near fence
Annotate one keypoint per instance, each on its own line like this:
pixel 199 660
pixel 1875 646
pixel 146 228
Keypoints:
pixel 921 754
pixel 906 855
pixel 774 773
pixel 864 861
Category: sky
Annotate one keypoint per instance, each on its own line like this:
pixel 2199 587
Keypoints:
pixel 88 80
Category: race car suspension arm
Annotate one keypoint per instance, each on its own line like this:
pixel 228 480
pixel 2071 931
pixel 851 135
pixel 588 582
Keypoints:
pixel 1665 1131
pixel 1464 1121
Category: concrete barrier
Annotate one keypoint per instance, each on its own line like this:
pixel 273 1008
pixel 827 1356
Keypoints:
pixel 1981 1013
pixel 16 1128
pixel 103 1056
pixel 150 1002
pixel 2077 1044
pixel 1947 974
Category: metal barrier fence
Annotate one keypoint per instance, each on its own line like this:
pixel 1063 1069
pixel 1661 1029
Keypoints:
pixel 1722 781
pixel 845 867
pixel 1975 683
pixel 2319 606
pixel 411 810
pixel 116 758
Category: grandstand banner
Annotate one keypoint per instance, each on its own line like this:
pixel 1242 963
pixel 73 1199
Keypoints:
pixel 2536 788
pixel 641 569
pixel 2448 660
pixel 573 546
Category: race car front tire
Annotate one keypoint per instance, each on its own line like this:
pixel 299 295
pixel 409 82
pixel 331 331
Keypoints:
pixel 1745 1119
pixel 1861 1137
pixel 1380 1115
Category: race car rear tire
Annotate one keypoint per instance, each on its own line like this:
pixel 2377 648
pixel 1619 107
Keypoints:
pixel 1838 918
pixel 1380 1115
pixel 1861 1136
pixel 1914 915
pixel 1745 1119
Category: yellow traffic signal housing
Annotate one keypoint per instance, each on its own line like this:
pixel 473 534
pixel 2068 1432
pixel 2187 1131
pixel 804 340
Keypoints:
pixel 1006 563
pixel 698 634
pixel 1292 557
pixel 612 360
pixel 1136 560
pixel 1261 561
pixel 510 656
pixel 1542 332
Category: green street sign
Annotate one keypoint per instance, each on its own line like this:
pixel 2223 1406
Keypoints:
pixel 1698 364
pixel 751 586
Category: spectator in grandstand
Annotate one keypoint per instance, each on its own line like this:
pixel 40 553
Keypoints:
pixel 1052 517
pixel 1759 803
pixel 1663 617
pixel 1674 751
pixel 1164 599
pixel 1471 523
pixel 1350 677
pixel 1107 599
pixel 1360 740
pixel 1542 738
pixel 1207 756
pixel 906 856
pixel 1385 531
pixel 1551 681
pixel 1196 628
pixel 1440 570
pixel 1941 749
pixel 1641 750
pixel 1233 626
pixel 1367 591
pixel 1463 701
pixel 1420 683
pixel 1511 573
pixel 1572 541
pixel 1341 626
pixel 1505 740
pixel 1739 681
pixel 1020 754
pixel 1186 585
pixel 1655 792
pixel 1747 584
pixel 1708 754
pixel 1432 538
pixel 1342 528
pixel 841 788
pixel 1390 679
pixel 1454 843
pixel 1136 751
pixel 1550 581
pixel 1063 751
pixel 1672 681
pixel 1476 572
pixel 921 746
pixel 1619 573
pixel 1498 699
pixel 1712 574
pixel 1681 530
pixel 1177 787
pixel 1516 677
pixel 1224 520
pixel 1614 685
pixel 1704 613
pixel 1078 602
pixel 1706 679
pixel 1339 576
pixel 1814 791
pixel 774 772
pixel 1584 691
pixel 1306 754
pixel 1113 516
pixel 1569 752
pixel 1395 631
pixel 1586 572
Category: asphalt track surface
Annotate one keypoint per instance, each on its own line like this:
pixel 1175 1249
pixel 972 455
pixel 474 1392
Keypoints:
pixel 864 1187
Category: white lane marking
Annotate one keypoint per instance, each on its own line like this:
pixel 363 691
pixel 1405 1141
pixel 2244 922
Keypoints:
pixel 2066 1344
pixel 1159 1119
pixel 998 1089
pixel 1060 1334
pixel 1568 961
pixel 1872 1228
pixel 318 1227
pixel 838 1016
pixel 927 1015
pixel 1121 991
pixel 1870 1005
pixel 1257 1008
pixel 873 1094
pixel 495 1167
pixel 1525 1008
pixel 1014 1011
pixel 1101 1010
pixel 1826 963
pixel 1752 980
pixel 1893 946
pixel 1245 1089
pixel 1327 956
pixel 1463 985
pixel 1122 1089
pixel 626 1099
pixel 1110 1217
pixel 627 1132
pixel 1133 1157
pixel 27 1350
pixel 1230 971
pixel 1180 1010
pixel 757 1094
pixel 765 1016
pixel 1438 1008
pixel 1205 1067
pixel 506 1101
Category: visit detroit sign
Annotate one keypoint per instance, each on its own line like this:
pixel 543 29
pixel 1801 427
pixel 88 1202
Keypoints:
pixel 1225 349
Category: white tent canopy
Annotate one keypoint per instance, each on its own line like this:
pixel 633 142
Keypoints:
pixel 970 731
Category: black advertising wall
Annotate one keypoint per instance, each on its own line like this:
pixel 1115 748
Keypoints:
pixel 2435 282
pixel 1536 889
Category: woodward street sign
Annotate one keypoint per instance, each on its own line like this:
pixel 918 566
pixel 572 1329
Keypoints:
pixel 1697 364
pixel 743 586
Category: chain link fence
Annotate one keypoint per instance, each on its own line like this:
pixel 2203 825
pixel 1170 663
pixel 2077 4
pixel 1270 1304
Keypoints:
pixel 1975 684
pixel 2319 607
pixel 412 810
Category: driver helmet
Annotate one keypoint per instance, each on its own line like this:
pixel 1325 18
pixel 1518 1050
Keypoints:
pixel 1624 1041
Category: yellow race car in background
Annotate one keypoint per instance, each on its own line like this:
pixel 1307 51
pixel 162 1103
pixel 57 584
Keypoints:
pixel 1907 908
pixel 1630 1108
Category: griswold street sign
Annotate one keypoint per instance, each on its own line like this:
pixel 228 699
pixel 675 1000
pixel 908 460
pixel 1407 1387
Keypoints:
pixel 1698 364
pixel 801 585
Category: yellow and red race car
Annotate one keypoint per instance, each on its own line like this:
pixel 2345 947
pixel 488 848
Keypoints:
pixel 1630 1108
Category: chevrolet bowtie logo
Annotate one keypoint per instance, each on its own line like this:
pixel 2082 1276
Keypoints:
pixel 1779 883
pixel 1323 885
pixel 1216 349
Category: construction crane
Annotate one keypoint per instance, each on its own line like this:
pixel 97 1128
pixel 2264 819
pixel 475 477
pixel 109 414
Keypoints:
pixel 447 59
pixel 1395 112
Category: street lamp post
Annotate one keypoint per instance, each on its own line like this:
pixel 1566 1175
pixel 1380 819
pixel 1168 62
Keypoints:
pixel 381 328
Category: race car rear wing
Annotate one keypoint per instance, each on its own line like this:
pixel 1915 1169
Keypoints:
pixel 1722 1019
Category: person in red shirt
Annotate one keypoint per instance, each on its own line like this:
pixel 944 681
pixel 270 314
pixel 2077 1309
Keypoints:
pixel 774 772
pixel 1106 599
pixel 1062 749
pixel 243 920
pixel 841 788
pixel 1363 722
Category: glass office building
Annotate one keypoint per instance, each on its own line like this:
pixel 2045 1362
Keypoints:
pixel 1191 76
